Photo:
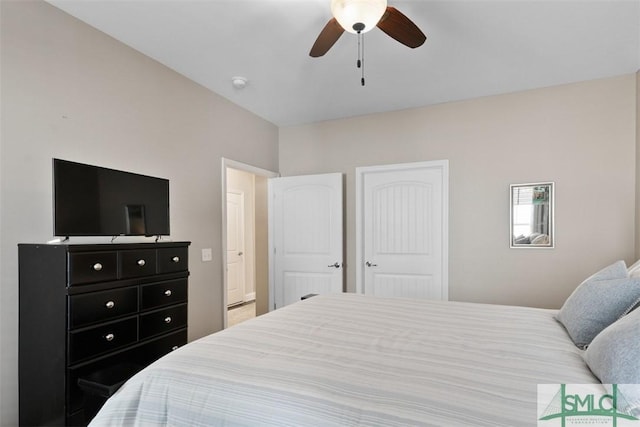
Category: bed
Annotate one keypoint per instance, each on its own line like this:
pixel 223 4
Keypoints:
pixel 355 360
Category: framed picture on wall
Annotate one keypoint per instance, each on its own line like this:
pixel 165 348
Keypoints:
pixel 531 222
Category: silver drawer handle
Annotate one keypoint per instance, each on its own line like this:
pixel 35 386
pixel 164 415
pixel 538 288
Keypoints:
pixel 110 304
pixel 167 319
pixel 109 337
pixel 174 348
pixel 167 292
pixel 175 259
pixel 97 266
pixel 141 262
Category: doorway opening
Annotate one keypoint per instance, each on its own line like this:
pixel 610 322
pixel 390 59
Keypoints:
pixel 244 241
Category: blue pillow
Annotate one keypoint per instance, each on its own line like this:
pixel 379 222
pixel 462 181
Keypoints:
pixel 598 302
pixel 614 357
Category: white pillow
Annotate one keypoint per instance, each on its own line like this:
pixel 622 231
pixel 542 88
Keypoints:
pixel 542 239
pixel 634 270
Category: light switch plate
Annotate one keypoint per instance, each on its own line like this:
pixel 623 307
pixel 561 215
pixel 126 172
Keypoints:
pixel 206 254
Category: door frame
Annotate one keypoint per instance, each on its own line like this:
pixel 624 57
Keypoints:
pixel 232 164
pixel 443 167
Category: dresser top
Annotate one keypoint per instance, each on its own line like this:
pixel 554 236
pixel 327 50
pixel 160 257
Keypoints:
pixel 83 247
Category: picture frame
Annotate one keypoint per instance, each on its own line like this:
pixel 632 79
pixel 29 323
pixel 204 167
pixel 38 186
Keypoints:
pixel 531 215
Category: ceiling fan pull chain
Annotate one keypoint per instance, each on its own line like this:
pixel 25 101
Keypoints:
pixel 362 60
pixel 358 62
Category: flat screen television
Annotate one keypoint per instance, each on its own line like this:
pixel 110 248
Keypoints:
pixel 96 201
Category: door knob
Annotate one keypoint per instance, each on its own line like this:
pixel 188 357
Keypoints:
pixel 368 264
pixel 240 253
pixel 335 265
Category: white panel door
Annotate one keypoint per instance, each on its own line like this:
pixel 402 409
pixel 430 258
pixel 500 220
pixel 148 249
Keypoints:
pixel 235 248
pixel 306 223
pixel 403 225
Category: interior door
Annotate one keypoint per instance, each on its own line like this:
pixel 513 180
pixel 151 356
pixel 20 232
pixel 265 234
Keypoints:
pixel 235 248
pixel 307 240
pixel 402 217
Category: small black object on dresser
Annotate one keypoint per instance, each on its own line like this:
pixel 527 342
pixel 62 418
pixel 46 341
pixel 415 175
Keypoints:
pixel 91 316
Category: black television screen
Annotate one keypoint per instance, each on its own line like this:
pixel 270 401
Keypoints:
pixel 95 201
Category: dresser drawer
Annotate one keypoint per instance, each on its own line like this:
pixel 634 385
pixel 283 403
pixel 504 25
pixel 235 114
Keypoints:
pixel 137 263
pixel 172 259
pixel 157 348
pixel 102 339
pixel 85 309
pixel 165 293
pixel 161 321
pixel 90 267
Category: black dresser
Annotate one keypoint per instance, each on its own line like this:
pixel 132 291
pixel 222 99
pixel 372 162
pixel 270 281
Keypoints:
pixel 90 317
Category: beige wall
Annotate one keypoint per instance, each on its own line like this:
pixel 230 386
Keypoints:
pixel 582 136
pixel 70 91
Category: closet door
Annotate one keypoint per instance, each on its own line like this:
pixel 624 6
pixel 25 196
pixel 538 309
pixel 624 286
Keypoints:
pixel 401 213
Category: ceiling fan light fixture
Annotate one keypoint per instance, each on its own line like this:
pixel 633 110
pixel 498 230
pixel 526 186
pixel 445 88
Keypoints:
pixel 350 13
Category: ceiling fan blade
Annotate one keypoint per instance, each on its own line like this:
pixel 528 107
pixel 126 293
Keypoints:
pixel 327 38
pixel 401 28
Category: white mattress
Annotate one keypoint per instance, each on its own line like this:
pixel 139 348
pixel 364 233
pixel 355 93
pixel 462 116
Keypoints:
pixel 353 360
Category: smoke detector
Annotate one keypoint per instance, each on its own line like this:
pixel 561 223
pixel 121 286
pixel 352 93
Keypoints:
pixel 239 82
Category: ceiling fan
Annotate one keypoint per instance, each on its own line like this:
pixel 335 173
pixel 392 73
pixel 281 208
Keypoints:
pixel 360 16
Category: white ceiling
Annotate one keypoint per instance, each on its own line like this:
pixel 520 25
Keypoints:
pixel 474 48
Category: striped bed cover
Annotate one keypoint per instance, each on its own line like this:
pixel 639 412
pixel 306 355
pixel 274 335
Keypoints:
pixel 355 360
